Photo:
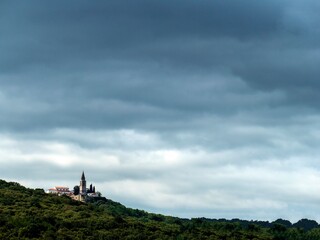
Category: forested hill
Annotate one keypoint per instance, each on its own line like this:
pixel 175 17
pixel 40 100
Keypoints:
pixel 32 214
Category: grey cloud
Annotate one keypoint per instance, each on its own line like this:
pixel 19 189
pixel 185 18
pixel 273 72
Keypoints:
pixel 99 105
pixel 43 32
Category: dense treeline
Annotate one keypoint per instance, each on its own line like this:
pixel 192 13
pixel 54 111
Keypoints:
pixel 32 214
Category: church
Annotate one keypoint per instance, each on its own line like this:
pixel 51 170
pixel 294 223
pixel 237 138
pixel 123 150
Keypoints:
pixel 80 192
pixel 84 192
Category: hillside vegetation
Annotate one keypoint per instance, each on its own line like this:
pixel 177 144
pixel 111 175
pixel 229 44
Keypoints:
pixel 32 214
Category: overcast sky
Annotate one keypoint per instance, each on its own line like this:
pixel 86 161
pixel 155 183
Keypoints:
pixel 187 108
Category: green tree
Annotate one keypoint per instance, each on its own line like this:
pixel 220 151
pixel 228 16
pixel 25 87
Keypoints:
pixel 76 190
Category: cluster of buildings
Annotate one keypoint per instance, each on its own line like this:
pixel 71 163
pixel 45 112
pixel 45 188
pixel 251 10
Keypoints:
pixel 80 193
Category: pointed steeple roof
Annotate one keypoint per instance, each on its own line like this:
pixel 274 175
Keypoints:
pixel 83 178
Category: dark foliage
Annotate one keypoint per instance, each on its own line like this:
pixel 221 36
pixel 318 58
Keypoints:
pixel 76 190
pixel 32 214
pixel 306 224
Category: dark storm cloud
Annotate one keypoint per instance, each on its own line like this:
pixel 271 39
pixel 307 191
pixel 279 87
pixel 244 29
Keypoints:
pixel 55 32
pixel 117 64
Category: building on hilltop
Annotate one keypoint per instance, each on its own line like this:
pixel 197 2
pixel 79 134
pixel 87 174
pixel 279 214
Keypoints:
pixel 84 192
pixel 79 193
pixel 59 190
pixel 81 196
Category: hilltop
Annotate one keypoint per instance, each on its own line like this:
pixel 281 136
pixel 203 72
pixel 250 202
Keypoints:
pixel 32 214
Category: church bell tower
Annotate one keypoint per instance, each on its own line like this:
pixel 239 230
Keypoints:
pixel 83 185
